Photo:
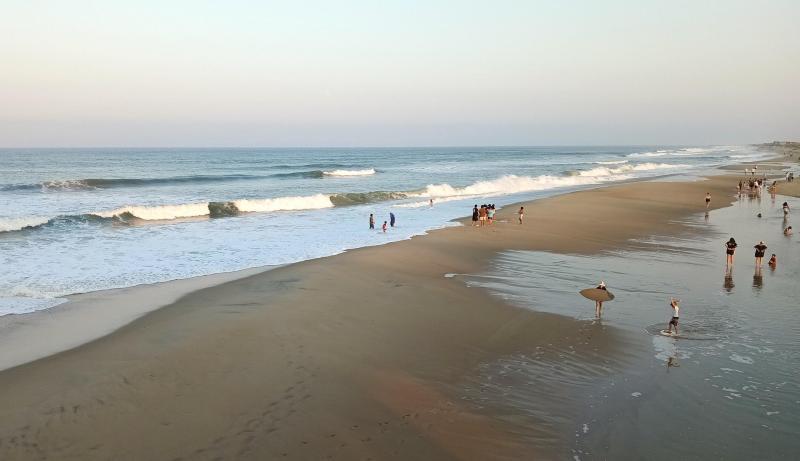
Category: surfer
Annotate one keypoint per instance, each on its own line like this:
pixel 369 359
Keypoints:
pixel 391 219
pixel 674 305
pixel 598 305
pixel 760 249
pixel 730 249
pixel 708 199
pixel 521 214
pixel 371 221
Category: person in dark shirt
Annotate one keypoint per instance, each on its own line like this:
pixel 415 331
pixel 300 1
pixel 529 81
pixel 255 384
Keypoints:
pixel 760 249
pixel 730 249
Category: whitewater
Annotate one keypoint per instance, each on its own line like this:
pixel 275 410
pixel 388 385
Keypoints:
pixel 78 220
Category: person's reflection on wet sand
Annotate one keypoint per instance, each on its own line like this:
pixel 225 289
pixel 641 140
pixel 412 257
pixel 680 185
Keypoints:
pixel 728 281
pixel 758 278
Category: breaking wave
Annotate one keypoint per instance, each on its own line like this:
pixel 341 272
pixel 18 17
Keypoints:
pixel 367 172
pixel 109 183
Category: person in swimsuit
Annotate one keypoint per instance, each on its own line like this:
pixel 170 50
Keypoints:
pixel 708 199
pixel 598 305
pixel 773 261
pixel 760 249
pixel 730 249
pixel 521 214
pixel 676 313
pixel 785 207
pixel 391 219
pixel 788 231
pixel 371 221
pixel 384 227
pixel 475 215
pixel 482 215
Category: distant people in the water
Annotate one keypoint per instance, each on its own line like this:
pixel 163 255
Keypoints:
pixel 371 221
pixel 391 219
pixel 760 249
pixel 384 227
pixel 785 207
pixel 475 215
pixel 674 304
pixel 788 231
pixel 430 202
pixel 773 262
pixel 708 199
pixel 730 249
pixel 521 214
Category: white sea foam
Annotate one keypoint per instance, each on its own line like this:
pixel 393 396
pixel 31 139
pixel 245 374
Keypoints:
pixel 606 171
pixel 308 202
pixel 612 162
pixel 15 224
pixel 367 172
pixel 159 212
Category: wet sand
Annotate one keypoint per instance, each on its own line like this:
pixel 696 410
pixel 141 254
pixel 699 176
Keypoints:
pixel 347 357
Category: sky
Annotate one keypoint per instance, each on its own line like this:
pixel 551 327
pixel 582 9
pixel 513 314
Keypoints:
pixel 391 73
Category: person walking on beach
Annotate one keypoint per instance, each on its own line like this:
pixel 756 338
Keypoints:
pixel 371 221
pixel 521 214
pixel 490 214
pixel 676 313
pixel 391 219
pixel 760 249
pixel 475 215
pixel 785 207
pixel 384 227
pixel 730 249
pixel 708 199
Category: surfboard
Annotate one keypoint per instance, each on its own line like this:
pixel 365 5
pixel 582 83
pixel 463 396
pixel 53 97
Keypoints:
pixel 667 333
pixel 596 294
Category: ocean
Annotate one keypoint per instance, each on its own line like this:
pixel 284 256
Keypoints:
pixel 80 220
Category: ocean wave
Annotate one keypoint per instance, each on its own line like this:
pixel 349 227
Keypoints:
pixel 684 152
pixel 300 174
pixel 109 183
pixel 357 198
pixel 626 168
pixel 309 202
pixel 612 162
pixel 15 224
pixel 366 172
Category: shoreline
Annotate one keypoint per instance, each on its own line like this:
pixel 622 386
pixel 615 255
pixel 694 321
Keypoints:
pixel 372 335
pixel 22 343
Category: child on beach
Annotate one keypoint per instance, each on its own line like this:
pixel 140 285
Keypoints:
pixel 788 231
pixel 760 249
pixel 730 249
pixel 785 207
pixel 371 221
pixel 384 227
pixel 490 214
pixel 708 199
pixel 676 311
pixel 773 261
pixel 521 214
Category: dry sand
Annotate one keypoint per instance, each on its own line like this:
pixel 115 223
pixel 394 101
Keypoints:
pixel 348 357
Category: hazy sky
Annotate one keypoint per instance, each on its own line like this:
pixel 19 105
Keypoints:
pixel 311 73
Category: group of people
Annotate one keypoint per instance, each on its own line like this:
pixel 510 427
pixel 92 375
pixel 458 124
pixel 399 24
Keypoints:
pixel 484 215
pixel 386 224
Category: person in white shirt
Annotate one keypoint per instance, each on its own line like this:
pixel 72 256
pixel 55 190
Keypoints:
pixel 676 313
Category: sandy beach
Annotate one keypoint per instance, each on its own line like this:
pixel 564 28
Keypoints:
pixel 348 357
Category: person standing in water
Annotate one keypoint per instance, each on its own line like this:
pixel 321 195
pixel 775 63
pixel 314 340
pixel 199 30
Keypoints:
pixel 788 231
pixel 371 221
pixel 773 262
pixel 384 227
pixel 730 249
pixel 760 249
pixel 676 313
pixel 430 202
pixel 391 219
pixel 785 207
pixel 598 305
pixel 708 199
pixel 521 214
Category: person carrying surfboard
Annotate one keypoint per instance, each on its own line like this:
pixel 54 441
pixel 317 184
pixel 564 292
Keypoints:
pixel 598 307
pixel 676 310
